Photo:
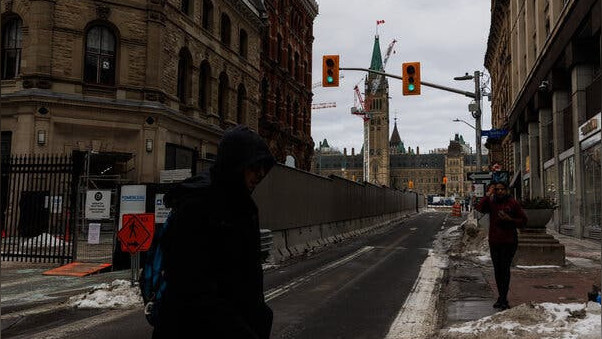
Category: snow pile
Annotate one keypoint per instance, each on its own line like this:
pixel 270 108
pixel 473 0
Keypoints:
pixel 545 320
pixel 119 294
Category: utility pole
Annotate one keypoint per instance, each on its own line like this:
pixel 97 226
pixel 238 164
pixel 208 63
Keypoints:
pixel 477 116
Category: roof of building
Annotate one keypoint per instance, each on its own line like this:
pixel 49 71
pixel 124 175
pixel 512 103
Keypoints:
pixel 377 59
pixel 395 139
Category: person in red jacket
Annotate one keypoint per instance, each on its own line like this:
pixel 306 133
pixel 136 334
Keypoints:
pixel 505 216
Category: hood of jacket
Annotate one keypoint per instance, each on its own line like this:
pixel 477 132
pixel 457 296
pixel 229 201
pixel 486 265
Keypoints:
pixel 240 148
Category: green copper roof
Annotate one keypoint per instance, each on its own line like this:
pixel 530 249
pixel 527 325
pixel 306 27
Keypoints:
pixel 377 59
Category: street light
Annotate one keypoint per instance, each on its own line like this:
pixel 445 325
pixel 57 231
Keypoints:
pixel 464 121
pixel 476 113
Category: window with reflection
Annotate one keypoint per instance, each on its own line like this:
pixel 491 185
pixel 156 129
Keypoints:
pixel 99 67
pixel 12 37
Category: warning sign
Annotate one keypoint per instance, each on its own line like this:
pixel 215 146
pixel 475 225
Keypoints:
pixel 137 232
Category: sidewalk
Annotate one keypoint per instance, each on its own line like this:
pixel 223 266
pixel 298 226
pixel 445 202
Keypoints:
pixel 471 290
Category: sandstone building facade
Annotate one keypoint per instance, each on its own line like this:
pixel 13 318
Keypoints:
pixel 141 85
pixel 544 60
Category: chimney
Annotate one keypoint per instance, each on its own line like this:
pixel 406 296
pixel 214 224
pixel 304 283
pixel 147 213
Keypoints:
pixel 352 151
pixel 345 151
pixel 417 150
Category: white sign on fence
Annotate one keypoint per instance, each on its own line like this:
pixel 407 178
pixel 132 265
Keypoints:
pixel 98 204
pixel 94 233
pixel 133 200
pixel 161 212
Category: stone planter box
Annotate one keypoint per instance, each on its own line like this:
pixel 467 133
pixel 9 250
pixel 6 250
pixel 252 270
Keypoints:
pixel 535 246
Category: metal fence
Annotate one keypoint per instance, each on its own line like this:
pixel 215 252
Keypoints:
pixel 38 200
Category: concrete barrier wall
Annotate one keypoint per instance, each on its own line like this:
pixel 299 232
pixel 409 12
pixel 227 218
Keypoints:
pixel 305 211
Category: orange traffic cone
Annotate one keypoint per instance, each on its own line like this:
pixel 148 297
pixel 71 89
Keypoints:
pixel 456 210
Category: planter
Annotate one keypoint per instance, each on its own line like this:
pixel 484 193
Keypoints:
pixel 538 218
pixel 535 246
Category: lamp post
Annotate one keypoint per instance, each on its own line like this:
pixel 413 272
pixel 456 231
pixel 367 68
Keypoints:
pixel 464 121
pixel 475 110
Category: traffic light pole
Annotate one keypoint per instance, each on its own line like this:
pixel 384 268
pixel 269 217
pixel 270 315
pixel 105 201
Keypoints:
pixel 441 87
pixel 476 96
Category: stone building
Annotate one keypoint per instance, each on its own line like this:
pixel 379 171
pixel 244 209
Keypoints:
pixel 544 60
pixel 145 85
pixel 286 91
pixel 409 169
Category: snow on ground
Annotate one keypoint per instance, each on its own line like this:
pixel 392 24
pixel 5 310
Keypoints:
pixel 119 294
pixel 544 320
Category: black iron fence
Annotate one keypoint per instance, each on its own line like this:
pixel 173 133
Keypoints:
pixel 38 201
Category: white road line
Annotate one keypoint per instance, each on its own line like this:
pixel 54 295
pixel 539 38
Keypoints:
pixel 280 290
pixel 418 315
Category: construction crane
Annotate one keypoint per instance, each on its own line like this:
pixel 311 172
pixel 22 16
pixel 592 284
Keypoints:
pixel 319 83
pixel 323 105
pixel 359 105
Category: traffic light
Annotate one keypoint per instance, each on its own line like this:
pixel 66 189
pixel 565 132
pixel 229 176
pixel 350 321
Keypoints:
pixel 330 71
pixel 411 78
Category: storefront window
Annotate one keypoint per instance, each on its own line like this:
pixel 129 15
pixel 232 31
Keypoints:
pixel 592 189
pixel 549 182
pixel 567 193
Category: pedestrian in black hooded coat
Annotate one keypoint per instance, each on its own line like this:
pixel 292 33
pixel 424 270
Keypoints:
pixel 212 247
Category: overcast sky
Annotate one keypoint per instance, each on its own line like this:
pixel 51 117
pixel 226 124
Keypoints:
pixel 448 38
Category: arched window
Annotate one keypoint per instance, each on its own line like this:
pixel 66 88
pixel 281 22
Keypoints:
pixel 184 76
pixel 222 98
pixel 225 29
pixel 100 59
pixel 297 71
pixel 295 123
pixel 204 85
pixel 12 37
pixel 243 44
pixel 278 106
pixel 241 99
pixel 207 20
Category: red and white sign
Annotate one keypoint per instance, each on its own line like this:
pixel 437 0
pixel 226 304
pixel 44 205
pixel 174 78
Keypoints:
pixel 136 235
pixel 496 167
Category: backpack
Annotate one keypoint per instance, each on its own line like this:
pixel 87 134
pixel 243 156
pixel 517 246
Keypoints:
pixel 152 281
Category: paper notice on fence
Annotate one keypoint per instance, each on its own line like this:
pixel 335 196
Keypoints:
pixel 94 233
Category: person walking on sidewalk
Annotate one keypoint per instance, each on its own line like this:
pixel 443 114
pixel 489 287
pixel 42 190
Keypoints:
pixel 213 269
pixel 505 216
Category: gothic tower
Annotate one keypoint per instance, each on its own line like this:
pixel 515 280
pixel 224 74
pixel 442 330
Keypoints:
pixel 376 129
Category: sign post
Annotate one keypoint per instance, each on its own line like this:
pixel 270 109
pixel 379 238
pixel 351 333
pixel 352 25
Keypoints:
pixel 136 235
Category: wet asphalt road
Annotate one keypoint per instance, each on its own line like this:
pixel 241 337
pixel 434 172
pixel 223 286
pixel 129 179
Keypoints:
pixel 352 289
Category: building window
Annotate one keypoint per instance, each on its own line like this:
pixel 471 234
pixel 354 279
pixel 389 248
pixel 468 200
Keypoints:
pixel 264 97
pixel 207 20
pixel 11 48
pixel 241 98
pixel 243 44
pixel 225 29
pixel 100 56
pixel 186 6
pixel 222 98
pixel 184 76
pixel 204 85
pixel 179 157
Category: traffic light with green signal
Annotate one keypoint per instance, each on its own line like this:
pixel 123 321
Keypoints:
pixel 411 78
pixel 330 71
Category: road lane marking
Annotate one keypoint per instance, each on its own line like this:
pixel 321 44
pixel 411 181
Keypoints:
pixel 280 290
pixel 418 315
